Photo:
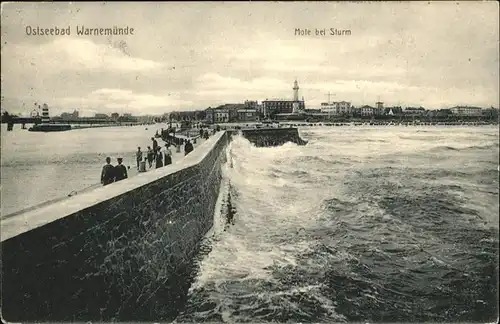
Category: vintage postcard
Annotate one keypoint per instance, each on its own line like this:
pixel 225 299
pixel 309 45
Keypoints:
pixel 250 162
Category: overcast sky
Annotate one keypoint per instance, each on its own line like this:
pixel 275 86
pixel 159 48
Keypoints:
pixel 186 56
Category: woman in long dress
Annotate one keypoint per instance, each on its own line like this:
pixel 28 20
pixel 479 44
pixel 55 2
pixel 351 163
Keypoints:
pixel 159 159
pixel 168 155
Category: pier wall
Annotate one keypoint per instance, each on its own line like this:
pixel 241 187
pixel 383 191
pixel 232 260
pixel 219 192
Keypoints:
pixel 109 254
pixel 273 136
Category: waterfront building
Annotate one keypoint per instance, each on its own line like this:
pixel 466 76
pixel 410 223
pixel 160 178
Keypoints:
pixel 344 107
pixel 247 115
pixel 280 106
pixel 336 108
pixel 260 109
pixel 466 111
pixel 285 106
pixel 490 112
pixel 231 110
pixel 209 115
pixel 221 116
pixel 312 111
pixel 329 108
pixel 251 104
pixel 101 116
pixel 412 111
pixel 388 111
pixel 367 110
pixel 394 110
pixel 254 108
pixel 74 115
pixel 186 115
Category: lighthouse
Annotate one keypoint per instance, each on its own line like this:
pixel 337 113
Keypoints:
pixel 295 105
pixel 295 91
pixel 45 114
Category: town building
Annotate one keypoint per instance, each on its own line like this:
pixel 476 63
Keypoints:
pixel 250 104
pixel 466 111
pixel 67 116
pixel 490 112
pixel 394 110
pixel 209 115
pixel 313 111
pixel 280 106
pixel 329 108
pixel 101 116
pixel 413 111
pixel 388 111
pixel 367 110
pixel 189 115
pixel 247 114
pixel 284 106
pixel 260 109
pixel 336 108
pixel 344 107
pixel 221 115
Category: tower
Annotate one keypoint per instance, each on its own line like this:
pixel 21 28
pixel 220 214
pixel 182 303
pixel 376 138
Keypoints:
pixel 295 91
pixel 295 103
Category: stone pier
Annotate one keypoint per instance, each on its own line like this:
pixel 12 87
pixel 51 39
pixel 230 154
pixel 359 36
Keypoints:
pixel 273 136
pixel 110 254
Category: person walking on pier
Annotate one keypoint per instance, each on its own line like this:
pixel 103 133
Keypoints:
pixel 188 148
pixel 168 154
pixel 151 156
pixel 108 172
pixel 120 170
pixel 159 159
pixel 138 156
pixel 155 146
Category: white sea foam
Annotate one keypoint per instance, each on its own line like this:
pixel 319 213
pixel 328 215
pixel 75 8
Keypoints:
pixel 285 230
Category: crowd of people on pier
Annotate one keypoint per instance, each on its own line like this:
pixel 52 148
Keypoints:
pixel 155 155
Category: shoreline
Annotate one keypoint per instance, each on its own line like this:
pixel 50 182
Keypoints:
pixel 349 124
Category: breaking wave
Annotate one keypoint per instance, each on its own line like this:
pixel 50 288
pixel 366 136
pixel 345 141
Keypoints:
pixel 329 232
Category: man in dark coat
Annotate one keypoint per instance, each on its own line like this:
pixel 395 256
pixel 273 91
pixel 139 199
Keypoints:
pixel 188 148
pixel 151 156
pixel 120 170
pixel 155 146
pixel 138 156
pixel 108 173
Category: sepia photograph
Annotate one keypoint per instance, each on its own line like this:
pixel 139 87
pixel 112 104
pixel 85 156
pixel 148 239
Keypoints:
pixel 250 162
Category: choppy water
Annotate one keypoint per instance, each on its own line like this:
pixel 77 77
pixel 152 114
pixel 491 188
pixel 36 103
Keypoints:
pixel 362 224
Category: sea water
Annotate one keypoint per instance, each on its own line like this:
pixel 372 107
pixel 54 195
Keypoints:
pixel 377 224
